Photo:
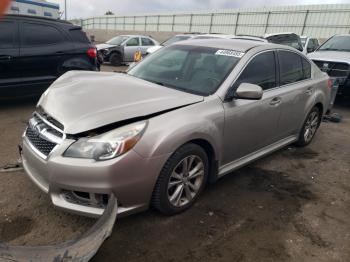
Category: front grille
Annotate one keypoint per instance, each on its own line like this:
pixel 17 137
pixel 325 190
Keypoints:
pixel 334 69
pixel 50 119
pixel 43 146
pixel 42 135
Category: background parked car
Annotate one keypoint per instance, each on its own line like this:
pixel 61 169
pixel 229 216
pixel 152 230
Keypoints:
pixel 309 44
pixel 35 51
pixel 333 58
pixel 288 39
pixel 170 41
pixel 122 48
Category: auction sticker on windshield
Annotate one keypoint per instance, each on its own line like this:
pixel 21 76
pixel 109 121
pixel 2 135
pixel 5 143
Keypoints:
pixel 230 53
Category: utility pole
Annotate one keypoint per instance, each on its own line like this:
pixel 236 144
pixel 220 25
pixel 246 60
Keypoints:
pixel 65 9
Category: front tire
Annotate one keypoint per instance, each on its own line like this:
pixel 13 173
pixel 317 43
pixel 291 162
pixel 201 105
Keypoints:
pixel 181 180
pixel 310 127
pixel 115 59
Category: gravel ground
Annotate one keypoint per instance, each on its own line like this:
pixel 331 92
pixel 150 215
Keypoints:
pixel 290 206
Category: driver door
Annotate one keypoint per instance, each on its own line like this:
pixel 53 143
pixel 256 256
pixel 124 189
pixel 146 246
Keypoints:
pixel 251 125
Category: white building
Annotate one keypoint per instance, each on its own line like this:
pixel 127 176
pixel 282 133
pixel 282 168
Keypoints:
pixel 35 7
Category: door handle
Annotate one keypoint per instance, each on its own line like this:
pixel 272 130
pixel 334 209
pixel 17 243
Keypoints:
pixel 59 53
pixel 5 57
pixel 275 101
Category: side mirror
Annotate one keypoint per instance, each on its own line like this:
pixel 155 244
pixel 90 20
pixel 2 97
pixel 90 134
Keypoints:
pixel 249 91
pixel 310 49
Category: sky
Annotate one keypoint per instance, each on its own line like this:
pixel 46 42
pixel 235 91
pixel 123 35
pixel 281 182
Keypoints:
pixel 86 8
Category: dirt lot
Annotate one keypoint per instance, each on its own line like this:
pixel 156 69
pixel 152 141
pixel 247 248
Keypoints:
pixel 291 206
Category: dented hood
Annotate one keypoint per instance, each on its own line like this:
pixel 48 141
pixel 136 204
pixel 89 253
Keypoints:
pixel 83 101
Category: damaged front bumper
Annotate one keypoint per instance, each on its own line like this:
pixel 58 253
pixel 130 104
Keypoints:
pixel 80 249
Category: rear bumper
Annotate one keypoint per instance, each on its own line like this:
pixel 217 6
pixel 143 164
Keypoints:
pixel 83 186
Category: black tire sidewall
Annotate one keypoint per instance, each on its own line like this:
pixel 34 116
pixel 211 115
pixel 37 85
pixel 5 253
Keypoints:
pixel 162 203
pixel 115 59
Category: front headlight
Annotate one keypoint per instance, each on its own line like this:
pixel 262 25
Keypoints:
pixel 109 145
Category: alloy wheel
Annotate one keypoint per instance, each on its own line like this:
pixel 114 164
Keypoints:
pixel 311 126
pixel 185 181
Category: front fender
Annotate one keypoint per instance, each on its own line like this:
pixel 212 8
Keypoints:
pixel 167 132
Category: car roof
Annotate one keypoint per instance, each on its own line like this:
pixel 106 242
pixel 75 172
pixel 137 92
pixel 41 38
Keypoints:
pixel 281 33
pixel 147 36
pixel 233 44
pixel 31 17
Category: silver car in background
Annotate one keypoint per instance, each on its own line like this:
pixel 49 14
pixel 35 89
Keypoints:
pixel 185 116
pixel 121 49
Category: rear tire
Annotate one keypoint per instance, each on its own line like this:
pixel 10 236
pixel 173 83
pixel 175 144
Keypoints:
pixel 181 180
pixel 310 127
pixel 115 59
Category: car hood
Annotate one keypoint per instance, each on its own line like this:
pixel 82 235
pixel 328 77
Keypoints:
pixel 84 101
pixel 104 46
pixel 331 56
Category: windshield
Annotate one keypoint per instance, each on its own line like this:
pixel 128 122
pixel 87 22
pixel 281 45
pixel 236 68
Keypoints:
pixel 193 69
pixel 337 43
pixel 288 40
pixel 117 40
pixel 175 39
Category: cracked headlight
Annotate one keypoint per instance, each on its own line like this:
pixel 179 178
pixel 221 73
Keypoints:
pixel 108 145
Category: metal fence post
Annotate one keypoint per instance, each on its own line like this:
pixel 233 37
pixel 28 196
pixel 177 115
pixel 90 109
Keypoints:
pixel 211 22
pixel 305 20
pixel 237 20
pixel 191 18
pixel 267 21
pixel 173 24
pixel 124 23
pixel 134 22
pixel 158 20
pixel 146 17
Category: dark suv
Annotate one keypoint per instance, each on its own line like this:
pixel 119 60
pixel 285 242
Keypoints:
pixel 34 52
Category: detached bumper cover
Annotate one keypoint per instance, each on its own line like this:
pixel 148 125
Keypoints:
pixel 80 249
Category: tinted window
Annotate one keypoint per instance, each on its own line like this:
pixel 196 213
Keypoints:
pixel 147 42
pixel 175 39
pixel 291 69
pixel 306 68
pixel 78 35
pixel 7 35
pixel 133 42
pixel 35 34
pixel 261 71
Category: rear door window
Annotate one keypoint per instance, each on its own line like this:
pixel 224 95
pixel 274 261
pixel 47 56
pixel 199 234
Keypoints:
pixel 260 71
pixel 39 35
pixel 8 34
pixel 147 42
pixel 291 68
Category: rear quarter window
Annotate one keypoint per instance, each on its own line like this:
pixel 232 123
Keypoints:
pixel 78 36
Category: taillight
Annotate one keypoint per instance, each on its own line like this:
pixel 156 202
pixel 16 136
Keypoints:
pixel 330 83
pixel 92 52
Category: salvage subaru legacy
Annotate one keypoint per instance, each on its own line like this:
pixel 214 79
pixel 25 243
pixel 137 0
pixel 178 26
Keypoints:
pixel 184 117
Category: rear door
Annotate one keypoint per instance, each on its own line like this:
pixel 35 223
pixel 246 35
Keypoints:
pixel 43 48
pixel 145 44
pixel 298 89
pixel 252 124
pixel 9 53
pixel 131 46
